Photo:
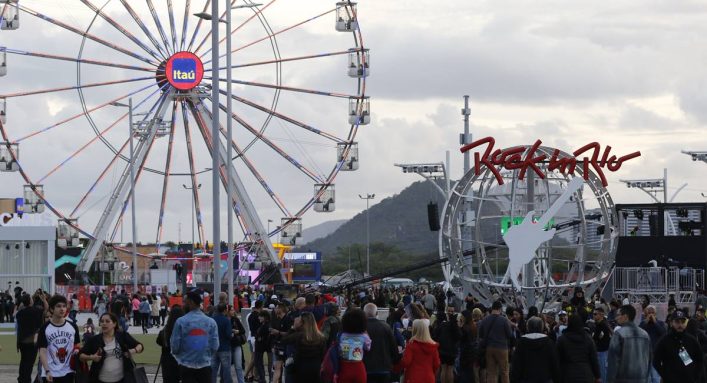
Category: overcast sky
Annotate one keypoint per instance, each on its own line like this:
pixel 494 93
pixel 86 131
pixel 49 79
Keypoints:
pixel 629 74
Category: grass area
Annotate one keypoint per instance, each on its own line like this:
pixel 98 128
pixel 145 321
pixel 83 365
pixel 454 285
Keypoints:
pixel 150 356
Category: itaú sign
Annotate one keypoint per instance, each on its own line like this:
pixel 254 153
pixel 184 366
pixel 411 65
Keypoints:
pixel 591 156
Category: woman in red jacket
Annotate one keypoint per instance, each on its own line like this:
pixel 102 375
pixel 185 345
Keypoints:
pixel 421 357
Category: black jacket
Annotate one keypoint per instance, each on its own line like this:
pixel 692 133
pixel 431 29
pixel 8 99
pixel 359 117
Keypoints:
pixel 29 321
pixel 602 335
pixel 578 357
pixel 384 349
pixel 94 343
pixel 447 334
pixel 535 360
pixel 668 363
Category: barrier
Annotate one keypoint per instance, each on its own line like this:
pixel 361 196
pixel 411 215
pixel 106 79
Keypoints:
pixel 657 283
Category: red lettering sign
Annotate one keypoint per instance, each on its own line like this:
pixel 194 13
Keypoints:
pixel 512 158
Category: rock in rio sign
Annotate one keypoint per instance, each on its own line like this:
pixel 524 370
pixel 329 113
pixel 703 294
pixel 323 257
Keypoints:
pixel 557 194
pixel 184 70
pixel 512 158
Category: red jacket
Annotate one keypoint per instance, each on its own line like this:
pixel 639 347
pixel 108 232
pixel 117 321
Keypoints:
pixel 420 361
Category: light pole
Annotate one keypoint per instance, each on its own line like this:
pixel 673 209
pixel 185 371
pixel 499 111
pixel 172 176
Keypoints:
pixel 229 131
pixel 131 195
pixel 368 198
pixel 193 244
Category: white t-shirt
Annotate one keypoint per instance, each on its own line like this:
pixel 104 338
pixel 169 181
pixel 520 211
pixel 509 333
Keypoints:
pixel 59 342
pixel 112 370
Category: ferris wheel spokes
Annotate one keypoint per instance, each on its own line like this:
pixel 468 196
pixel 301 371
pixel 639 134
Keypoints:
pixel 120 193
pixel 74 59
pixel 311 174
pixel 144 29
pixel 157 56
pixel 82 114
pixel 277 61
pixel 100 177
pixel 271 35
pixel 208 34
pixel 172 25
pixel 241 154
pixel 192 174
pixel 158 23
pixel 283 117
pixel 185 24
pixel 83 86
pixel 87 35
pixel 248 217
pixel 165 182
pixel 256 13
pixel 198 26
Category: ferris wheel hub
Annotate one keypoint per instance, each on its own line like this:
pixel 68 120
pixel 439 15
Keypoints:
pixel 183 70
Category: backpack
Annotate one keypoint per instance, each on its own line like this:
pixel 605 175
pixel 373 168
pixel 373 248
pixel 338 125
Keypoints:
pixel 329 370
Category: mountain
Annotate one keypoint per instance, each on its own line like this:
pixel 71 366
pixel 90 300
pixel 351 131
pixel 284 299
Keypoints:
pixel 399 221
pixel 320 231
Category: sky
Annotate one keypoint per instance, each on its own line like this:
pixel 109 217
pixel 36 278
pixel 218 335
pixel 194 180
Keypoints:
pixel 627 74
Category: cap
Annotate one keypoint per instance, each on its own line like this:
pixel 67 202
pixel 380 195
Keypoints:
pixel 563 312
pixel 273 297
pixel 678 314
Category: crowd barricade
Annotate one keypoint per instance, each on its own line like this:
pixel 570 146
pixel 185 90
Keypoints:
pixel 658 283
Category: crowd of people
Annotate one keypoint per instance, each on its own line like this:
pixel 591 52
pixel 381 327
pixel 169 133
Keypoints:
pixel 428 336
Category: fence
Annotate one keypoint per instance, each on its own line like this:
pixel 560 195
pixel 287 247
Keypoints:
pixel 658 283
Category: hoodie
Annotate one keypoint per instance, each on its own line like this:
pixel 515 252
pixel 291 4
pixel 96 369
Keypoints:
pixel 578 357
pixel 535 360
pixel 420 361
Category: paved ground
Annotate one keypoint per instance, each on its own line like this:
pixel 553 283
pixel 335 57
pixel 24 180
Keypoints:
pixel 8 374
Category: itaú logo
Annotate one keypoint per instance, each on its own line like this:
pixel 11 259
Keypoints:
pixel 184 70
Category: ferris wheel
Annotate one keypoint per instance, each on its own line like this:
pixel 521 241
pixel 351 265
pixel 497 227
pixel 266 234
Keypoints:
pixel 69 68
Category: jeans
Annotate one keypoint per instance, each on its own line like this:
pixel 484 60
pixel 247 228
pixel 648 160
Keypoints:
pixel 195 375
pixel 237 354
pixel 603 364
pixel 221 361
pixel 655 376
pixel 28 354
pixel 259 366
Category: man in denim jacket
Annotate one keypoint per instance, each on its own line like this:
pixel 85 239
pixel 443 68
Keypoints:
pixel 630 352
pixel 194 341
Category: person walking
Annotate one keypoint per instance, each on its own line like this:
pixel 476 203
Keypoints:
pixel 535 357
pixel 170 367
pixel 468 347
pixel 29 320
pixel 73 307
pixel 135 303
pixel 110 352
pixel 384 349
pixel 678 357
pixel 57 341
pixel 194 341
pixel 354 343
pixel 221 361
pixel 577 354
pixel 155 310
pixel 253 325
pixel 629 350
pixel 656 329
pixel 237 342
pixel 447 335
pixel 496 335
pixel 602 336
pixel 144 311
pixel 420 360
pixel 309 348
pixel 262 345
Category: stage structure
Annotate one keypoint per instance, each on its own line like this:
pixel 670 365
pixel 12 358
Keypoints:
pixel 525 236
